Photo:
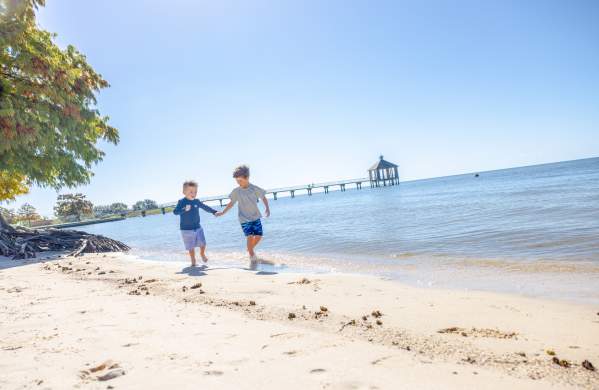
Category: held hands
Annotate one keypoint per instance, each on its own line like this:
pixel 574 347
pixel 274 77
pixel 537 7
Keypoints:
pixel 219 214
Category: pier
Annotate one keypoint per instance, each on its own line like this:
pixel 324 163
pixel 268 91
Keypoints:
pixel 383 173
pixel 307 189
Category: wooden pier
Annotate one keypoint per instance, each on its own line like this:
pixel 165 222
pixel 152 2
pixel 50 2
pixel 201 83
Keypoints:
pixel 275 193
pixel 383 173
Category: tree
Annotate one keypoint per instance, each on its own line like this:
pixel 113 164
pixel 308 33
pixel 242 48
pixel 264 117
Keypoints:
pixel 72 205
pixel 49 121
pixel 28 213
pixel 114 208
pixel 8 214
pixel 146 204
pixel 118 207
pixel 102 210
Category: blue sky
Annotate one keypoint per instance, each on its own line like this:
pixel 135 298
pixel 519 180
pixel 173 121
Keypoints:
pixel 308 91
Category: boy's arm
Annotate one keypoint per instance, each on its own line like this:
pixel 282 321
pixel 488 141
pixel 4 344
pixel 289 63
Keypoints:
pixel 207 208
pixel 266 206
pixel 219 213
pixel 178 210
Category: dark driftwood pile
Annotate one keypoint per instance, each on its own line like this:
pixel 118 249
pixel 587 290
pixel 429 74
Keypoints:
pixel 21 243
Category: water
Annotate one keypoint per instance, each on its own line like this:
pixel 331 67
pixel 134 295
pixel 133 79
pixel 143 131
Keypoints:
pixel 531 230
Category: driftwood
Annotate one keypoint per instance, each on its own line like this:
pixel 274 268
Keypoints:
pixel 21 243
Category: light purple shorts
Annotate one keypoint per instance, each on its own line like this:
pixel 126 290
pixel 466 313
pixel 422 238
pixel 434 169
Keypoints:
pixel 193 238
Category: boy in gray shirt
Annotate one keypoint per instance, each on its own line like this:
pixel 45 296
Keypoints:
pixel 246 196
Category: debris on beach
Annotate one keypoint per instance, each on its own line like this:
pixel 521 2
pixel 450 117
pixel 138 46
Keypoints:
pixel 351 322
pixel 197 285
pixel 323 308
pixel 184 288
pixel 291 316
pixel 377 314
pixel 550 352
pixel 151 280
pixel 379 322
pixel 115 371
pixel 104 365
pixel 479 332
pixel 24 243
pixel 561 362
pixel 365 318
pixel 112 374
pixel 588 365
pixel 301 281
pixel 252 303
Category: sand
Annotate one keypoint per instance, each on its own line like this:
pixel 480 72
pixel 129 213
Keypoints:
pixel 84 323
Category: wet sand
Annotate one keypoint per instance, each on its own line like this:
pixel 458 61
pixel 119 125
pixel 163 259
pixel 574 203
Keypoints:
pixel 104 321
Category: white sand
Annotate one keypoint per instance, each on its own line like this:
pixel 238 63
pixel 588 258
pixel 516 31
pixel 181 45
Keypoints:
pixel 58 323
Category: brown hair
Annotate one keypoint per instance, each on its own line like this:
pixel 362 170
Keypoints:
pixel 190 183
pixel 242 171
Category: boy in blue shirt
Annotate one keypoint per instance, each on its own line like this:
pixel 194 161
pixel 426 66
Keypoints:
pixel 191 230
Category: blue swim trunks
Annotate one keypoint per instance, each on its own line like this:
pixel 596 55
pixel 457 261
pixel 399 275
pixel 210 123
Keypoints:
pixel 253 228
pixel 193 238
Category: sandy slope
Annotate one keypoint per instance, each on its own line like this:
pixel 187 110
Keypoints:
pixel 61 318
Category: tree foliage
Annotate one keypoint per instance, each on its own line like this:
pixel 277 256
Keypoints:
pixel 9 215
pixel 49 122
pixel 115 208
pixel 28 213
pixel 118 207
pixel 147 204
pixel 12 185
pixel 72 205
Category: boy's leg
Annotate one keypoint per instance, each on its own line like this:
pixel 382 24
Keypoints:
pixel 192 255
pixel 257 240
pixel 250 245
pixel 203 253
pixel 188 237
pixel 201 242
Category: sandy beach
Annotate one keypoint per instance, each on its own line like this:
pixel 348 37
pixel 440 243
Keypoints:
pixel 108 321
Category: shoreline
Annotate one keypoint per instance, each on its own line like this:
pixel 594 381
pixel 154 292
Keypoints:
pixel 240 326
pixel 560 281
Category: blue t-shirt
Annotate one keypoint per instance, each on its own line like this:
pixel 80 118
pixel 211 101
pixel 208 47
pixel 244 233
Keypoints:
pixel 190 220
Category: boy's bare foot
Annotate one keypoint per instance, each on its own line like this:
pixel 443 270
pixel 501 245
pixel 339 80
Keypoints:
pixel 264 261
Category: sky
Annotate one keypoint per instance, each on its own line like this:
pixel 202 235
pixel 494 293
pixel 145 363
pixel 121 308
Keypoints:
pixel 309 91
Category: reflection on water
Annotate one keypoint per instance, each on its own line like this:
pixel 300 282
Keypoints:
pixel 530 230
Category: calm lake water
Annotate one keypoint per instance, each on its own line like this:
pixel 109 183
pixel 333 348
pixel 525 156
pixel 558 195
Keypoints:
pixel 531 230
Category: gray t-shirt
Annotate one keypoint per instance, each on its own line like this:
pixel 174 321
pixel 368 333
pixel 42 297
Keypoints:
pixel 248 202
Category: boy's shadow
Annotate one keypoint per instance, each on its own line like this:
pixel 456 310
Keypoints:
pixel 193 271
pixel 200 270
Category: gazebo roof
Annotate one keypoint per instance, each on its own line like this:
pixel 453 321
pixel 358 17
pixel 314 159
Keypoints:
pixel 382 164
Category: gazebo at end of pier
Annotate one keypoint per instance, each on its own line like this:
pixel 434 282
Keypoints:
pixel 383 173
